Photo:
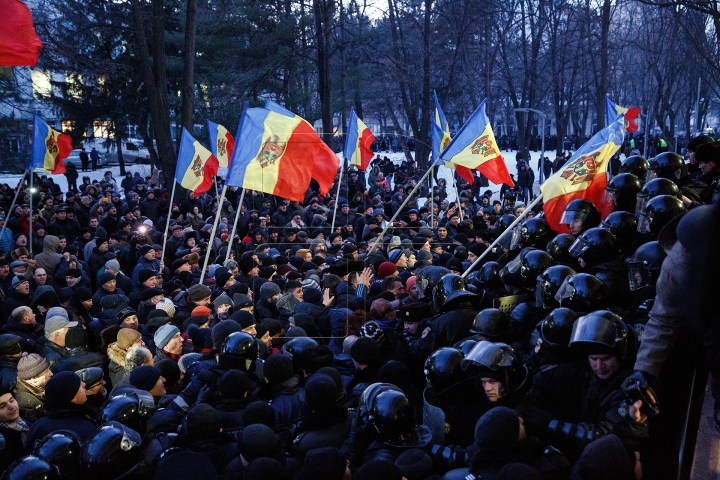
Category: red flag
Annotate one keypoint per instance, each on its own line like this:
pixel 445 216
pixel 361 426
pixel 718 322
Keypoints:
pixel 19 43
pixel 630 117
pixel 465 173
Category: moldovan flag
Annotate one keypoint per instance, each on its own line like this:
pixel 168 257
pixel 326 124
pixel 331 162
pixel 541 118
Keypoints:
pixel 583 176
pixel 279 153
pixel 612 111
pixel 196 165
pixel 49 148
pixel 441 138
pixel 357 142
pixel 222 143
pixel 474 146
pixel 19 42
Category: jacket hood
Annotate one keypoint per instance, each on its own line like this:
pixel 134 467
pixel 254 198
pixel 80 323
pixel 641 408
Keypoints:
pixel 50 243
pixel 116 354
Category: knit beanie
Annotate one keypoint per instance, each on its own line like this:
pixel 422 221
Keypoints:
pixel 244 318
pixel 124 313
pixel 222 330
pixel 127 337
pixel 258 412
pixel 320 392
pixel 258 441
pixel 61 389
pixel 386 269
pixel 327 463
pixel 76 337
pixel 234 384
pixel 414 464
pixel 424 256
pixel 498 429
pixel 201 312
pixel 113 265
pixel 82 294
pixel 164 334
pixel 221 278
pixel 169 370
pixel 188 360
pixel 149 293
pixel 144 377
pixel 31 365
pixel 167 305
pixel 222 299
pixel 202 422
pixel 197 320
pixel 9 344
pixel 156 322
pixel 268 289
pixel 312 295
pixel 201 338
pixel 273 326
pixel 246 264
pixel 278 368
pixel 264 468
pixel 606 457
pixel 198 292
pixel 105 277
pixel 240 301
pixel 365 351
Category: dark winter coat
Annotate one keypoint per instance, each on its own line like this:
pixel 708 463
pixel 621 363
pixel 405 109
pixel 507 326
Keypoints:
pixel 76 418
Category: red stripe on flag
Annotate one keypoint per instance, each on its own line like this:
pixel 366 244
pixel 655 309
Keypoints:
pixel 366 140
pixel 300 161
pixel 64 148
pixel 230 146
pixel 465 173
pixel 496 171
pixel 210 169
pixel 595 193
pixel 630 117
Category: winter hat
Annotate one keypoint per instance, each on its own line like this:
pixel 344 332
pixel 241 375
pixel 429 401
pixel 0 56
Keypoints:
pixel 606 457
pixel 386 269
pixel 234 384
pixel 266 272
pixel 222 330
pixel 127 337
pixel 378 470
pixel 246 264
pixel 365 351
pixel 259 413
pixel 169 370
pixel 61 389
pixel 149 293
pixel 198 292
pixel 197 320
pixel 170 287
pixel 257 441
pixel 156 322
pixel 221 278
pixel 268 289
pixel 76 337
pixel 201 312
pixel 373 330
pixel 327 463
pixel 82 294
pixel 244 318
pixel 9 344
pixel 320 392
pixel 145 249
pixel 188 360
pixel 424 256
pixel 263 468
pixel 223 299
pixel 201 338
pixel 164 334
pixel 145 274
pixel 113 265
pixel 278 368
pixel 31 365
pixel 498 429
pixel 273 326
pixel 124 313
pixel 295 332
pixel 167 306
pixel 73 272
pixel 144 377
pixel 55 323
pixel 312 295
pixel 454 264
pixel 90 376
pixel 105 277
pixel 414 464
pixel 241 301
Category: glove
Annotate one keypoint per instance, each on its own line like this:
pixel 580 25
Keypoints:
pixel 576 433
pixel 642 386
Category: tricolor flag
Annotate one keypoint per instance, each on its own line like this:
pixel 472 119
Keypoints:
pixel 475 147
pixel 49 148
pixel 441 138
pixel 357 142
pixel 196 165
pixel 583 176
pixel 222 143
pixel 19 42
pixel 612 111
pixel 279 153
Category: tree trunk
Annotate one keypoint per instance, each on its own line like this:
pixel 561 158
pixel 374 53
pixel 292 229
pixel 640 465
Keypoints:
pixel 602 86
pixel 323 27
pixel 188 92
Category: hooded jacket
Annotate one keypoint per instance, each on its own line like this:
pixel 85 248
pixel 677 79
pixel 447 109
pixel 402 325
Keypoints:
pixel 49 259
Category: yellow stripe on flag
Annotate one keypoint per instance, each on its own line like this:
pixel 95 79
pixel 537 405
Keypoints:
pixel 481 150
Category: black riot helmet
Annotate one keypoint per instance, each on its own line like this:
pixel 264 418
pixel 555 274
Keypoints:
pixel 522 319
pixel 239 351
pixel 557 327
pixel 668 165
pixel 510 273
pixel 533 264
pixel 296 347
pixel 504 222
pixel 594 246
pixel 558 249
pixel 131 409
pixel 498 361
pixel 644 265
pixel 31 467
pixel 387 409
pixel 654 188
pixel 465 345
pixel 427 278
pixel 624 226
pixel 533 232
pixel 579 215
pixel 442 368
pixel 448 291
pixel 488 277
pixel 602 332
pixel 621 192
pixel 548 284
pixel 492 324
pixel 62 449
pixel 583 292
pixel 657 213
pixel 636 165
pixel 112 451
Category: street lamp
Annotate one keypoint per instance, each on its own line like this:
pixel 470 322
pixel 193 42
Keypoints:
pixel 543 116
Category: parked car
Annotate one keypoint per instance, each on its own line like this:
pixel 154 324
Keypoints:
pixel 74 158
pixel 135 151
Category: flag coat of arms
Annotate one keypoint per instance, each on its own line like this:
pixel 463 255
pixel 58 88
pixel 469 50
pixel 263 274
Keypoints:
pixel 196 165
pixel 441 138
pixel 222 143
pixel 50 148
pixel 612 111
pixel 583 176
pixel 357 142
pixel 475 147
pixel 279 153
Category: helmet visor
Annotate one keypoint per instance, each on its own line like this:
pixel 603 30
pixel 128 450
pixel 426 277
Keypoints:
pixel 566 291
pixel 644 221
pixel 652 174
pixel 516 238
pixel 578 247
pixel 488 354
pixel 570 216
pixel 638 276
pixel 610 197
pixel 514 265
